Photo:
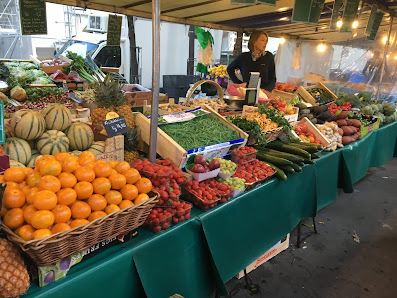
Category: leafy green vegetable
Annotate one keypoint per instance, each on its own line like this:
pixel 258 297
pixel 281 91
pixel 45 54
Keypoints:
pixel 25 73
pixel 251 127
pixel 82 68
pixel 353 99
pixel 36 93
pixel 199 132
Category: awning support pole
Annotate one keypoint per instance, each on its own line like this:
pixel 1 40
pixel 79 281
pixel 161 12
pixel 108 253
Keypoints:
pixel 155 79
pixel 384 59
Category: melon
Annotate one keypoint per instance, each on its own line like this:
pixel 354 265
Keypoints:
pixel 97 147
pixel 35 156
pixel 57 117
pixel 15 164
pixel 27 124
pixel 52 142
pixel 18 150
pixel 80 136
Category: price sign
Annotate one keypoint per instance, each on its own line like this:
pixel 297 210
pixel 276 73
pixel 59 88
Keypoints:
pixel 371 20
pixel 307 11
pixel 315 11
pixel 114 30
pixel 335 13
pixel 115 126
pixel 33 17
pixel 375 26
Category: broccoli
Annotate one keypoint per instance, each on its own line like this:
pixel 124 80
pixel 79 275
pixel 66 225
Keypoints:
pixel 353 99
pixel 365 97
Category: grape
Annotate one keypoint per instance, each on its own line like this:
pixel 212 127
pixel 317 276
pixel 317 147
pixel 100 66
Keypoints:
pixel 234 182
pixel 227 166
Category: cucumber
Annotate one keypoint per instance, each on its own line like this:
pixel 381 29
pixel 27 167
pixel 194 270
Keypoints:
pixel 289 149
pixel 314 156
pixel 290 157
pixel 273 159
pixel 279 172
pixel 297 168
pixel 307 147
pixel 308 161
pixel 288 169
pixel 301 164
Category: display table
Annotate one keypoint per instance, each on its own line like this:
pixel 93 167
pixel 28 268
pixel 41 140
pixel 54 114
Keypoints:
pixel 196 257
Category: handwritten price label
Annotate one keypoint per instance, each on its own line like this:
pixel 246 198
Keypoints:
pixel 115 126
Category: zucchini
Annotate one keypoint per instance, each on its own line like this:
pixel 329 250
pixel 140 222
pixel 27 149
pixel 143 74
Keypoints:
pixel 297 168
pixel 273 159
pixel 290 157
pixel 289 149
pixel 288 169
pixel 311 148
pixel 279 172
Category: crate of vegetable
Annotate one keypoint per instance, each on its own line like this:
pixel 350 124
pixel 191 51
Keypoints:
pixel 206 133
pixel 317 95
pixel 51 65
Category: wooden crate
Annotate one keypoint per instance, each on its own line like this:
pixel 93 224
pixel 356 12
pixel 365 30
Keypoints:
pixel 52 68
pixel 291 118
pixel 148 108
pixel 306 96
pixel 167 147
pixel 312 128
pixel 284 95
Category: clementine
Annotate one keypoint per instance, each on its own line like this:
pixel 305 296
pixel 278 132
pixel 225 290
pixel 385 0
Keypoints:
pixel 42 160
pixel 80 210
pixel 97 202
pixel 95 215
pixel 69 164
pixel 68 180
pixel 84 174
pixel 42 219
pixel 132 176
pixel 129 192
pixel 41 233
pixel 49 182
pixel 122 167
pixel 102 170
pixel 113 163
pixel 33 178
pixel 66 196
pixel 50 167
pixel 144 185
pixel 28 213
pixel 62 213
pixel 31 194
pixel 125 204
pixel 14 198
pixel 62 155
pixel 60 227
pixel 14 175
pixel 142 197
pixel 111 208
pixel 113 197
pixel 45 200
pixel 26 232
pixel 78 222
pixel 101 185
pixel 14 218
pixel 118 181
pixel 84 190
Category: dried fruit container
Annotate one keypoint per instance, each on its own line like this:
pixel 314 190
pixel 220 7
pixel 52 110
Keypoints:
pixel 199 202
pixel 243 158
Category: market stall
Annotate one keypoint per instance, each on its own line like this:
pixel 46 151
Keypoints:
pixel 219 194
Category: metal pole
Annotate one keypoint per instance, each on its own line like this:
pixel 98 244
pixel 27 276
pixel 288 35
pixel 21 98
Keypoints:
pixel 384 58
pixel 155 78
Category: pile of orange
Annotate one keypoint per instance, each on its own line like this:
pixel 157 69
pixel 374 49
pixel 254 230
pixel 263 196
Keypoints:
pixel 64 192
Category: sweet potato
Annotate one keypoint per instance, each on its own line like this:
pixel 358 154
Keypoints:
pixel 356 123
pixel 341 122
pixel 348 130
pixel 347 140
pixel 340 131
pixel 349 122
pixel 342 115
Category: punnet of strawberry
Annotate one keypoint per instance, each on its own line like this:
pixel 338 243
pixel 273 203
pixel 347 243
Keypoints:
pixel 201 196
pixel 243 155
pixel 159 219
pixel 176 174
pixel 258 169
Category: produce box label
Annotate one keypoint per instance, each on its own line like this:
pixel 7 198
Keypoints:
pixel 33 17
pixel 116 126
pixel 182 116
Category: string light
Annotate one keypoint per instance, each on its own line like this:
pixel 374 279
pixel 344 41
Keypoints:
pixel 384 40
pixel 321 47
pixel 281 40
pixel 283 19
pixel 355 25
pixel 339 24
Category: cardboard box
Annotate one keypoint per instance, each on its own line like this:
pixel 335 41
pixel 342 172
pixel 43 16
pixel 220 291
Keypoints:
pixel 274 251
pixel 367 129
pixel 114 149
pixel 136 98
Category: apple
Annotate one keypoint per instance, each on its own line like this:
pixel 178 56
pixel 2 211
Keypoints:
pixel 200 159
pixel 214 164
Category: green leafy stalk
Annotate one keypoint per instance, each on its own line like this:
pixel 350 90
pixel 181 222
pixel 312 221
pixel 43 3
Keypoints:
pixel 251 127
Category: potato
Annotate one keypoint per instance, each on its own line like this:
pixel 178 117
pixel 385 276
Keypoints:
pixel 341 123
pixel 348 130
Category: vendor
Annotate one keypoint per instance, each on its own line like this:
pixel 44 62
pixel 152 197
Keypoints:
pixel 256 60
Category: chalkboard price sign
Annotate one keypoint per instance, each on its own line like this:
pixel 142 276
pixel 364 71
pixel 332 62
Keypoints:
pixel 335 13
pixel 114 30
pixel 115 126
pixel 33 17
pixel 375 25
pixel 349 15
pixel 371 19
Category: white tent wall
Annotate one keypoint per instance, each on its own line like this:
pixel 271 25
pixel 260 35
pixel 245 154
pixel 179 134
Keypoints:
pixel 312 61
pixel 174 48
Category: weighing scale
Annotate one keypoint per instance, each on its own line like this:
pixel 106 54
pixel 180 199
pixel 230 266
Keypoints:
pixel 253 88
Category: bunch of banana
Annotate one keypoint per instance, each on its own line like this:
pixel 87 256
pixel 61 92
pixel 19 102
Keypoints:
pixel 218 71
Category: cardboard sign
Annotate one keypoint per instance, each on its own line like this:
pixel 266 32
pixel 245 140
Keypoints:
pixel 33 17
pixel 349 15
pixel 115 126
pixel 114 30
pixel 371 20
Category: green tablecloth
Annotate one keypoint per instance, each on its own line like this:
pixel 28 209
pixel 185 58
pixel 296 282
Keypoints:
pixel 198 256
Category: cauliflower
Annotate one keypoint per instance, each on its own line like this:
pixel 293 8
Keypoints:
pixel 18 93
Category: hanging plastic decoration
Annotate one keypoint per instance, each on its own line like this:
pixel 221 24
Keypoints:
pixel 206 41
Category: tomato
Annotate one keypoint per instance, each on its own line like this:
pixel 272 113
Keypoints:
pixel 303 127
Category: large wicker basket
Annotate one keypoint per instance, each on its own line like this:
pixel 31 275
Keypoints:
pixel 52 249
pixel 271 135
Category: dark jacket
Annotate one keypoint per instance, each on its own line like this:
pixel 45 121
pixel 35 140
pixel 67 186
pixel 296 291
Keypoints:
pixel 246 65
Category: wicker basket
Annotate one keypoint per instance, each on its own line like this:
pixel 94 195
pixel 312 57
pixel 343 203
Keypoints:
pixel 271 135
pixel 49 250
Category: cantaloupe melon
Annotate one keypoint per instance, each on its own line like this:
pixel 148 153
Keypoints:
pixel 52 142
pixel 18 150
pixel 35 156
pixel 57 117
pixel 80 136
pixel 97 147
pixel 27 124
pixel 15 164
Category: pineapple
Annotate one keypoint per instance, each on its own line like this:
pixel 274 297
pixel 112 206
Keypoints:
pixel 14 277
pixel 110 98
pixel 130 144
